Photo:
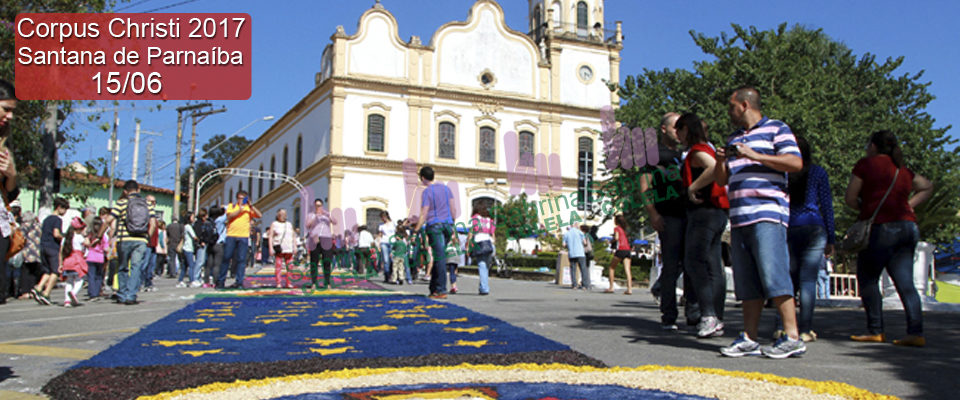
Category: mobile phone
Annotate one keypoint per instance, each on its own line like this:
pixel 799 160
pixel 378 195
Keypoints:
pixel 246 200
pixel 732 150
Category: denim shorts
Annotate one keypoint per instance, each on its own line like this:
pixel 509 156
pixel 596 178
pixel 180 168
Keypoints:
pixel 761 261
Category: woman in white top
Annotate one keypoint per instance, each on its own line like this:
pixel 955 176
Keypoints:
pixel 387 231
pixel 282 245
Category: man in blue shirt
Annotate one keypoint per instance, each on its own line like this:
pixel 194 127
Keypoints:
pixel 437 210
pixel 573 241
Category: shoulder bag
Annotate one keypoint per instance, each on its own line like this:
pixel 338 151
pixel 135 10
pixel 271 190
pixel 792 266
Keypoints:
pixel 857 237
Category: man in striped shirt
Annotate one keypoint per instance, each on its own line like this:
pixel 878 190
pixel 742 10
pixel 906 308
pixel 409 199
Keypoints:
pixel 754 165
pixel 132 247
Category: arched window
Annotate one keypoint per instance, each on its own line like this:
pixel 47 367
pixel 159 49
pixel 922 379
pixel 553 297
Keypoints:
pixel 526 149
pixel 375 132
pixel 585 172
pixel 286 157
pixel 260 183
pixel 488 145
pixel 581 16
pixel 448 140
pixel 273 169
pixel 299 164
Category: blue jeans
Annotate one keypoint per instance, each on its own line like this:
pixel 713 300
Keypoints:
pixel 452 271
pixel 584 272
pixel 806 253
pixel 173 263
pixel 150 268
pixel 483 269
pixel 190 268
pixel 234 248
pixel 439 234
pixel 94 279
pixel 761 261
pixel 201 260
pixel 132 257
pixel 386 259
pixel 891 246
pixel 823 284
pixel 702 258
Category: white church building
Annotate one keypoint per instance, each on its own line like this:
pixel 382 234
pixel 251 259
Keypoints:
pixel 381 102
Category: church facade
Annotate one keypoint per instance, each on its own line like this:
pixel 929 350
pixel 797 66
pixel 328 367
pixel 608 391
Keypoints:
pixel 480 103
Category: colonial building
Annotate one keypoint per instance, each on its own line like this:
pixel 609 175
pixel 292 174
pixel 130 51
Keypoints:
pixel 476 102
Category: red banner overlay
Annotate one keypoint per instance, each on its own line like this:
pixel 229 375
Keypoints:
pixel 133 56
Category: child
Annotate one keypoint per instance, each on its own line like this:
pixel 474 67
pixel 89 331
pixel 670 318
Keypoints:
pixel 74 264
pixel 453 261
pixel 96 255
pixel 399 249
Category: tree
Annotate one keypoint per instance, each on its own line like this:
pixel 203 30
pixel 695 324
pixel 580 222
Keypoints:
pixel 517 218
pixel 219 157
pixel 35 163
pixel 826 93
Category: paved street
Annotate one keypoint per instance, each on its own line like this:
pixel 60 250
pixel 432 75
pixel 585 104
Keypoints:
pixel 37 343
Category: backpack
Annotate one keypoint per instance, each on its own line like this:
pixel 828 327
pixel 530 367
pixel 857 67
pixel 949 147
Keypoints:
pixel 208 233
pixel 138 216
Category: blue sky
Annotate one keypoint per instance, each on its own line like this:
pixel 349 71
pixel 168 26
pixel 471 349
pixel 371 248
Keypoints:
pixel 289 36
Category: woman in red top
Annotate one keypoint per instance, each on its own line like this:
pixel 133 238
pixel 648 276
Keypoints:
pixel 622 253
pixel 894 234
pixel 707 207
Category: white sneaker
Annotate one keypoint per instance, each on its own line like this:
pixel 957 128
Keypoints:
pixel 181 285
pixel 195 284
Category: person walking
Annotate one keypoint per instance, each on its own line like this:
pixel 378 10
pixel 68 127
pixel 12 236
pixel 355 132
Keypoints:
pixel 235 248
pixel 320 242
pixel 135 220
pixel 760 154
pixel 282 244
pixel 174 248
pixel 189 269
pixel 437 212
pixel 50 237
pixel 622 253
pixel 573 241
pixel 74 266
pixel 706 206
pixel 883 187
pixel 96 258
pixel 481 238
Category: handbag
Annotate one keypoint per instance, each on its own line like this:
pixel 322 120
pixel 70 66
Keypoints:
pixel 857 237
pixel 17 240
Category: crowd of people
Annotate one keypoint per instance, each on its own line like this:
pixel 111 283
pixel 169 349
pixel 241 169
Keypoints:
pixel 762 184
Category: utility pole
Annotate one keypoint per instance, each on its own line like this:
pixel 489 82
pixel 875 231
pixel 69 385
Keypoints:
pixel 136 152
pixel 176 173
pixel 115 152
pixel 196 117
pixel 49 146
pixel 148 164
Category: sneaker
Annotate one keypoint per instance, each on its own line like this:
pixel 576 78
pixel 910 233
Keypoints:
pixel 150 289
pixel 181 285
pixel 453 291
pixel 44 300
pixel 669 327
pixel 484 293
pixel 196 284
pixel 67 304
pixel 438 296
pixel 709 327
pixel 878 338
pixel 785 347
pixel 808 336
pixel 743 346
pixel 73 298
pixel 207 285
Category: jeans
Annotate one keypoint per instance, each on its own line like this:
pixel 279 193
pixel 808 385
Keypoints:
pixel 173 264
pixel 132 257
pixel 584 272
pixel 806 253
pixel 212 264
pixel 386 249
pixel 671 249
pixel 452 271
pixel 483 269
pixel 702 258
pixel 823 284
pixel 150 267
pixel 761 261
pixel 190 269
pixel 891 246
pixel 439 234
pixel 201 260
pixel 234 248
pixel 94 278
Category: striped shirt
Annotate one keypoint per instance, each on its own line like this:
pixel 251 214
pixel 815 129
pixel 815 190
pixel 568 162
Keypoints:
pixel 119 212
pixel 759 193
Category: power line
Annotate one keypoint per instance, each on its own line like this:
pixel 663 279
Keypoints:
pixel 170 6
pixel 136 3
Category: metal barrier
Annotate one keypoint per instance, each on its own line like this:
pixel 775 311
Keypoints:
pixel 844 286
